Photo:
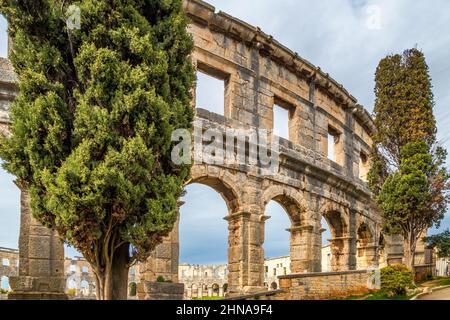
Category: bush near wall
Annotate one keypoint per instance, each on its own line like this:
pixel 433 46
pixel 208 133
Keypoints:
pixel 396 280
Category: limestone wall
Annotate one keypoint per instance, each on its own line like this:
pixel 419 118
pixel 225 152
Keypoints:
pixel 324 285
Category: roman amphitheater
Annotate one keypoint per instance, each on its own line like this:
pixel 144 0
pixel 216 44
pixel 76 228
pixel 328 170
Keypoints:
pixel 258 73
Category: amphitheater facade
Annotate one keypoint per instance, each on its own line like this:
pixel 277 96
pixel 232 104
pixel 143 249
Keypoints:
pixel 258 73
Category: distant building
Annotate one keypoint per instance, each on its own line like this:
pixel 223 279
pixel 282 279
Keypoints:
pixel 274 267
pixel 203 280
pixel 326 258
pixel 443 267
pixel 80 280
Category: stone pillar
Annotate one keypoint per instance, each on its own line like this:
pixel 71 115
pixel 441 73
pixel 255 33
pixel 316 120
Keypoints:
pixel 162 262
pixel 210 292
pixel 10 46
pixel 304 257
pixel 343 254
pixel 367 256
pixel 221 291
pixel 41 259
pixel 393 249
pixel 200 291
pixel 245 252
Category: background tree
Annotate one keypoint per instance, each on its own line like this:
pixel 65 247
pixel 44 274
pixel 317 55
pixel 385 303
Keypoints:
pixel 408 176
pixel 91 126
pixel 441 242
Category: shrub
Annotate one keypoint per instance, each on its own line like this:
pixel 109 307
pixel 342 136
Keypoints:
pixel 3 291
pixel 396 280
pixel 71 292
pixel 160 279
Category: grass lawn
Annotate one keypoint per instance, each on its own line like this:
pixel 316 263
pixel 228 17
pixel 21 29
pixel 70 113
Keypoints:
pixel 444 281
pixel 382 296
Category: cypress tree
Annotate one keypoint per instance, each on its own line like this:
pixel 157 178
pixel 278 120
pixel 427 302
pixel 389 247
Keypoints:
pixel 408 175
pixel 92 124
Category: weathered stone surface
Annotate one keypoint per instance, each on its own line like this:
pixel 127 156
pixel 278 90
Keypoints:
pixel 148 290
pixel 324 285
pixel 259 72
pixel 41 259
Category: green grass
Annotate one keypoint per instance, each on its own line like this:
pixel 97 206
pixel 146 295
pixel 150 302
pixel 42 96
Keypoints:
pixel 444 282
pixel 383 296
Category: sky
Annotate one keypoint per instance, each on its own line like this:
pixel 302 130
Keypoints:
pixel 346 39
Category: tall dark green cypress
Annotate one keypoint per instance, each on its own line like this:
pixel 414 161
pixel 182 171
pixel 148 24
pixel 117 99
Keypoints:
pixel 408 175
pixel 404 102
pixel 92 124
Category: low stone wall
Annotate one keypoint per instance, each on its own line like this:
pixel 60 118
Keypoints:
pixel 423 272
pixel 147 290
pixel 325 285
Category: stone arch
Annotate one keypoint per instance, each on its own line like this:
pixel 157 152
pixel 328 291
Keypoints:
pixel 365 234
pixel 292 202
pixel 290 199
pixel 342 244
pixel 337 224
pixel 132 289
pixel 221 181
pixel 365 246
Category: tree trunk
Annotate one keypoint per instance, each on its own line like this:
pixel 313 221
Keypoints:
pixel 112 284
pixel 410 251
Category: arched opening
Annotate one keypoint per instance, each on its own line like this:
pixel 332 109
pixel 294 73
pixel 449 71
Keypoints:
pixel 10 211
pixel 132 289
pixel 277 238
pixel 335 223
pixel 365 247
pixel 282 234
pixel 225 288
pixel 4 283
pixel 215 290
pixel 203 231
pixel 326 254
pixel 277 242
pixel 274 286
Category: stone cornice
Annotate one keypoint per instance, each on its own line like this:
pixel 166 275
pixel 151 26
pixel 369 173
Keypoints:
pixel 204 14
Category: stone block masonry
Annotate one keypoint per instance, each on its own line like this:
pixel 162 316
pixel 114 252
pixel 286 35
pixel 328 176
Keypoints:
pixel 325 285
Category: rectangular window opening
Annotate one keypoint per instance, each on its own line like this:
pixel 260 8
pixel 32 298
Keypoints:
pixel 210 89
pixel 363 166
pixel 281 118
pixel 332 141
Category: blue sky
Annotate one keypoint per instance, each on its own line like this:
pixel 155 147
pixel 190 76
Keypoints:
pixel 346 39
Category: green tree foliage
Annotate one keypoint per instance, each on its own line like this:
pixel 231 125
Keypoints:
pixel 404 103
pixel 396 280
pixel 408 176
pixel 92 124
pixel 409 199
pixel 441 242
